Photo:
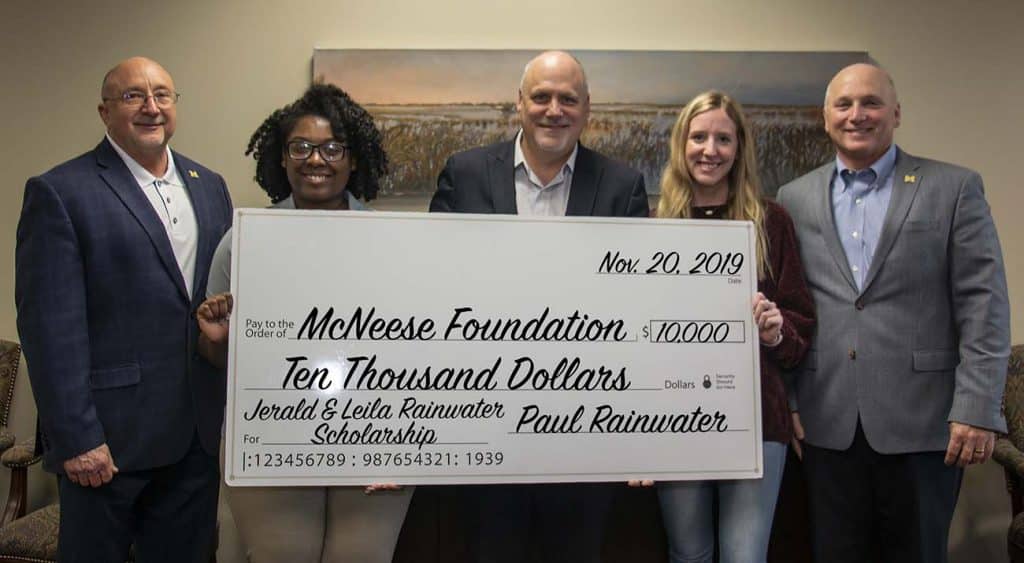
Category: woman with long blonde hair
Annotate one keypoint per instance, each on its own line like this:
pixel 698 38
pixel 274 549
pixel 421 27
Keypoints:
pixel 712 174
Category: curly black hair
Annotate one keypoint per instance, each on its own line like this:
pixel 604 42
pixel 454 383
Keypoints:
pixel 349 122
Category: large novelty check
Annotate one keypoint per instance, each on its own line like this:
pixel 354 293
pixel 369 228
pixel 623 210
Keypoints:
pixel 414 348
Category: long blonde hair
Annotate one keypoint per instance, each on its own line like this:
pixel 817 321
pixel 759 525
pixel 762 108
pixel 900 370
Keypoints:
pixel 744 203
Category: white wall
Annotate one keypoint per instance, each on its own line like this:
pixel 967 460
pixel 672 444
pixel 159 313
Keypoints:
pixel 957 67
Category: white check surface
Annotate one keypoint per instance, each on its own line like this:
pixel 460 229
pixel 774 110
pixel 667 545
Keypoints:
pixel 480 349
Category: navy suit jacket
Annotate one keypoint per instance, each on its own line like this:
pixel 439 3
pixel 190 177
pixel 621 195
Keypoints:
pixel 105 320
pixel 482 180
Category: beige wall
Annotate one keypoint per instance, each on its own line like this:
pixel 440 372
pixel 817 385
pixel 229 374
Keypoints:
pixel 957 66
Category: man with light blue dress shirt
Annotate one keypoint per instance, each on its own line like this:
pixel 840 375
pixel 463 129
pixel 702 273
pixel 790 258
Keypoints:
pixel 860 199
pixel 902 386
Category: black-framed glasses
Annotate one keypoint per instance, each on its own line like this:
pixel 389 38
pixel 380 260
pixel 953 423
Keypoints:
pixel 331 151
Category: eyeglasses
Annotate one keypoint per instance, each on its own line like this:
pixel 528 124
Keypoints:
pixel 332 151
pixel 137 98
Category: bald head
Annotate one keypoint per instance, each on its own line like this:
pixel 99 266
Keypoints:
pixel 863 73
pixel 861 114
pixel 559 62
pixel 113 77
pixel 553 106
pixel 142 123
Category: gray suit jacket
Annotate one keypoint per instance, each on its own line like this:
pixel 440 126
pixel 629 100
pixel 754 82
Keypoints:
pixel 927 339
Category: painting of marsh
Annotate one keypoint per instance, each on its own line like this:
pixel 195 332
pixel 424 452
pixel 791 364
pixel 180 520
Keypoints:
pixel 432 103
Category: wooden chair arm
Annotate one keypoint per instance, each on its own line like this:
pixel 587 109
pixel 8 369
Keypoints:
pixel 22 455
pixel 18 459
pixel 6 439
pixel 1007 455
pixel 1012 460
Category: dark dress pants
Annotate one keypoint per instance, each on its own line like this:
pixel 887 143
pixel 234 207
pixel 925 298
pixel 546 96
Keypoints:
pixel 170 513
pixel 550 523
pixel 866 506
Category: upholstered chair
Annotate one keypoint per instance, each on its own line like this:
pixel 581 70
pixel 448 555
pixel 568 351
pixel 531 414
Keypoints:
pixel 1010 450
pixel 24 537
pixel 31 537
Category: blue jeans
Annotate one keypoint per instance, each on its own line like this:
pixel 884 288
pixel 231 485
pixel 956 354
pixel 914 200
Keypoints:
pixel 745 511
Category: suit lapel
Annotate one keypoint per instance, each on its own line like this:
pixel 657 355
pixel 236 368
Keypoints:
pixel 501 176
pixel 827 220
pixel 200 206
pixel 585 178
pixel 905 181
pixel 116 174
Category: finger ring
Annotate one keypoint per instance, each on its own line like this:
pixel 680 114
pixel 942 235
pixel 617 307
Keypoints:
pixel 981 451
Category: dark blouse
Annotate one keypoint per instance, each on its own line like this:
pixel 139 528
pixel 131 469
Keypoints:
pixel 788 289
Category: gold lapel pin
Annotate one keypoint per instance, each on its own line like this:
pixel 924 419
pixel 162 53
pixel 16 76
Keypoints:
pixel 193 173
pixel 909 179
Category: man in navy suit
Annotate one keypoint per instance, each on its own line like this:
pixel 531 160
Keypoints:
pixel 113 252
pixel 543 171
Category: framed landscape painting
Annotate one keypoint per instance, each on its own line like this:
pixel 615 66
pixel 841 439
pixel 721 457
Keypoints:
pixel 432 103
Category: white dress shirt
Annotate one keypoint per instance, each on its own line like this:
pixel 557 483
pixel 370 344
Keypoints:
pixel 173 206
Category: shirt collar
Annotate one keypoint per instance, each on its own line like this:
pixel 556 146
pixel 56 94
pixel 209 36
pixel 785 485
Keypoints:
pixel 881 167
pixel 520 159
pixel 353 203
pixel 143 176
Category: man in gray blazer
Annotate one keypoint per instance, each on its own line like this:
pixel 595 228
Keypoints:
pixel 902 386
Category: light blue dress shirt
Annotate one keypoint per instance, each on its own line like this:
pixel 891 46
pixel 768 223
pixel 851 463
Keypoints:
pixel 860 199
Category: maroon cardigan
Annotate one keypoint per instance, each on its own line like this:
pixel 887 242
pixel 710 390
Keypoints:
pixel 788 289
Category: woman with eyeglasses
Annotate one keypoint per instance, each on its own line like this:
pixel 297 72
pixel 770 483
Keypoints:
pixel 321 152
pixel 712 174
